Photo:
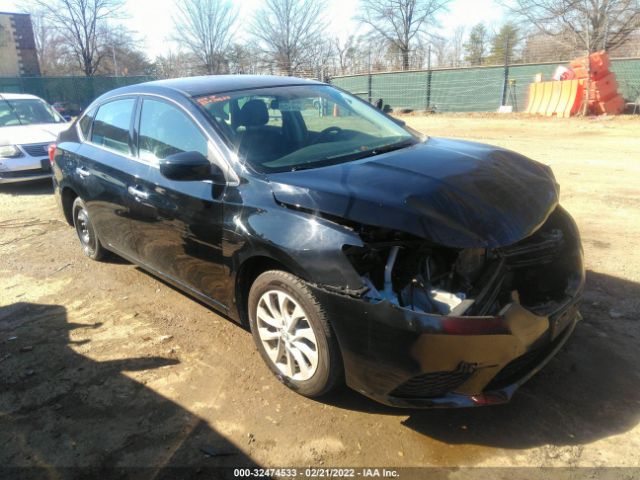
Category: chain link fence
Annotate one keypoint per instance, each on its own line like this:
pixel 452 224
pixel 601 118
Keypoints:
pixel 77 90
pixel 470 89
pixel 462 89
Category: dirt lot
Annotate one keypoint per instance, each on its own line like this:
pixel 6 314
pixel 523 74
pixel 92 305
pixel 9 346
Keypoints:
pixel 101 364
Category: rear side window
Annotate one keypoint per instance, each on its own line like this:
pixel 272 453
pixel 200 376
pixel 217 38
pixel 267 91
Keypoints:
pixel 111 125
pixel 85 123
pixel 166 130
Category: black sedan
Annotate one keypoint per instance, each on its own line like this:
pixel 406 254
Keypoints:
pixel 422 271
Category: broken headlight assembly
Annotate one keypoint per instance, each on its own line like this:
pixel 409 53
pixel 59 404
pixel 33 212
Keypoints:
pixel 416 275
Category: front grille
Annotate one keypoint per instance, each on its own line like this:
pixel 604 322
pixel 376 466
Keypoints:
pixel 36 149
pixel 435 384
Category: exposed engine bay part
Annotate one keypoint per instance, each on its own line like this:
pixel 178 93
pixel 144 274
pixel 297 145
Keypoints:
pixel 474 281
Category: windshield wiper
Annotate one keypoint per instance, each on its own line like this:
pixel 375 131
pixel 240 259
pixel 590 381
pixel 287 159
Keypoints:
pixel 391 147
pixel 356 155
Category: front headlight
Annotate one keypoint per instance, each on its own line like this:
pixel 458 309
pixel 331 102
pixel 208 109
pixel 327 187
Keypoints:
pixel 9 151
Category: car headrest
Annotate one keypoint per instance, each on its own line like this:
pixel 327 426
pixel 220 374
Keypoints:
pixel 254 113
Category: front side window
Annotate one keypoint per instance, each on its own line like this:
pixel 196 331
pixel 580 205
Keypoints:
pixel 166 130
pixel 111 125
pixel 27 112
pixel 305 126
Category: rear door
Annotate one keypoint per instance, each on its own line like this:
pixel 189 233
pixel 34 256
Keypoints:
pixel 105 166
pixel 177 225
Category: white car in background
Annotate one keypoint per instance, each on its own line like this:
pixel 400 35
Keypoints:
pixel 28 125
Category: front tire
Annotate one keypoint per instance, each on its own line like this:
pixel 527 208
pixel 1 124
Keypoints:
pixel 293 335
pixel 87 235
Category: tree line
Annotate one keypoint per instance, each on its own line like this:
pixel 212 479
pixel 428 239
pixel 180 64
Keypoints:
pixel 294 37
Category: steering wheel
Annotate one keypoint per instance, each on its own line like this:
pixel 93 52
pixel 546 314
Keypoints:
pixel 324 134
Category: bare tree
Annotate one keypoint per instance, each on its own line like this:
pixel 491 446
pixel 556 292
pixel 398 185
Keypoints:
pixel 593 24
pixel 244 59
pixel 206 28
pixel 288 31
pixel 540 47
pixel 344 53
pixel 448 50
pixel 322 60
pixel 400 22
pixel 440 46
pixel 49 45
pixel 457 46
pixel 176 64
pixel 125 57
pixel 81 24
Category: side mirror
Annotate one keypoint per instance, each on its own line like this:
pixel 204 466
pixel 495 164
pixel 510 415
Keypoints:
pixel 190 166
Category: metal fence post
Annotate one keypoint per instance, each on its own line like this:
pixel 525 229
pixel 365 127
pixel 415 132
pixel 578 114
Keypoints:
pixel 506 72
pixel 429 75
pixel 369 80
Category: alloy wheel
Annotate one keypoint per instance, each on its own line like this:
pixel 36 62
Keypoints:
pixel 84 229
pixel 287 335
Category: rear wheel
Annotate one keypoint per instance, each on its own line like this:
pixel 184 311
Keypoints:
pixel 293 334
pixel 89 240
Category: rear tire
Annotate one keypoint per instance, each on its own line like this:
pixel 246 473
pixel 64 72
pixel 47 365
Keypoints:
pixel 87 235
pixel 293 335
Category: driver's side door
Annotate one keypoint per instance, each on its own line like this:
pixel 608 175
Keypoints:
pixel 177 225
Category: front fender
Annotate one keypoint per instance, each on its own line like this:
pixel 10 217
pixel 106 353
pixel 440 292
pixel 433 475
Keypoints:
pixel 309 246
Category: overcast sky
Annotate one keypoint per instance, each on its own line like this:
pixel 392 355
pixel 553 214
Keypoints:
pixel 152 19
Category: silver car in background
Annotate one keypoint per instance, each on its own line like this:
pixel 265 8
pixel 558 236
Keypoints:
pixel 28 125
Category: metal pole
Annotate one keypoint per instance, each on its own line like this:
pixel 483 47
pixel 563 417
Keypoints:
pixel 429 77
pixel 370 79
pixel 506 71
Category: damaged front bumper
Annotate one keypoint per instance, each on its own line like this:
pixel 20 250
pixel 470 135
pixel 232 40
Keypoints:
pixel 405 358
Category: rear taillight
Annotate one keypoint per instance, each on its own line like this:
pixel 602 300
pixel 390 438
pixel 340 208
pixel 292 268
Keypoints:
pixel 52 152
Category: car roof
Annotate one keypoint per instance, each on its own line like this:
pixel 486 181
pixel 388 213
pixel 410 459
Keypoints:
pixel 212 84
pixel 18 96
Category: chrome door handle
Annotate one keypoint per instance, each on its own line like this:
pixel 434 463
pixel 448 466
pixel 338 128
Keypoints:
pixel 138 193
pixel 83 172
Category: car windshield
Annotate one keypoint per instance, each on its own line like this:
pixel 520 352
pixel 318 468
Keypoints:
pixel 27 112
pixel 299 127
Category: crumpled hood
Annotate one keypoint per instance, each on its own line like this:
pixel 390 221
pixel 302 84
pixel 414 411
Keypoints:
pixel 453 193
pixel 26 134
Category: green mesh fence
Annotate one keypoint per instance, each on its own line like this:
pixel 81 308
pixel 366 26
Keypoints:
pixel 628 77
pixel 78 90
pixel 469 89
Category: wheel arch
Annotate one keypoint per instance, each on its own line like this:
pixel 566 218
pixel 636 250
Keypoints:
pixel 68 196
pixel 248 271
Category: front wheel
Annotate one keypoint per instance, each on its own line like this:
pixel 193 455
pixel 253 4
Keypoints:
pixel 293 334
pixel 89 240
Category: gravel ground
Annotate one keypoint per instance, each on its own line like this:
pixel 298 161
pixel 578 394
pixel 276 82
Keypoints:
pixel 103 365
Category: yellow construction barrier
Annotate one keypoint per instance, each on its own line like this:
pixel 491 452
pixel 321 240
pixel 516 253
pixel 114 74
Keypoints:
pixel 560 98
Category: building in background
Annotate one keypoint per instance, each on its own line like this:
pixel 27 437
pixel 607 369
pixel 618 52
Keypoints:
pixel 18 57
